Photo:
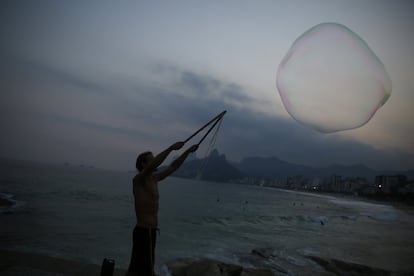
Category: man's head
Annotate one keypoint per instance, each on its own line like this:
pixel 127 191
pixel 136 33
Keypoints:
pixel 143 160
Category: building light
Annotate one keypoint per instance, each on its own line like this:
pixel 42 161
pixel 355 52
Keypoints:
pixel 380 186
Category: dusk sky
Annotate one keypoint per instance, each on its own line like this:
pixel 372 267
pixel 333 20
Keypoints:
pixel 96 82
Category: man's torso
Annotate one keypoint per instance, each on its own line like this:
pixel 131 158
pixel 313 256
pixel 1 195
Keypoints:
pixel 146 200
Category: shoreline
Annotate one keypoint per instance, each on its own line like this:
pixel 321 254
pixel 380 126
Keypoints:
pixel 400 205
pixel 260 262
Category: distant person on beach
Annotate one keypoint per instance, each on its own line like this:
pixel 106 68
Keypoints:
pixel 145 188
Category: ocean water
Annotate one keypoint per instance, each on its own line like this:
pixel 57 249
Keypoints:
pixel 87 214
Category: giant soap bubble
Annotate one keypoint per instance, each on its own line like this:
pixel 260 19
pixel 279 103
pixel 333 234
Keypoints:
pixel 330 80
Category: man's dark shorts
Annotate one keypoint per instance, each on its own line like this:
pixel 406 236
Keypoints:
pixel 143 251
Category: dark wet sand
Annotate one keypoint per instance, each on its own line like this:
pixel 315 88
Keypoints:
pixel 19 263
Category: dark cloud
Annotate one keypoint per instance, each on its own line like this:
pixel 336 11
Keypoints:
pixel 236 94
pixel 98 127
pixel 246 132
pixel 290 141
pixel 27 69
pixel 183 101
pixel 202 85
pixel 85 84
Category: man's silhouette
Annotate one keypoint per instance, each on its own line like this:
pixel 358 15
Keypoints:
pixel 145 188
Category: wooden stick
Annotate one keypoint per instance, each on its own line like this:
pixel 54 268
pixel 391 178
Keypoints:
pixel 217 118
pixel 211 128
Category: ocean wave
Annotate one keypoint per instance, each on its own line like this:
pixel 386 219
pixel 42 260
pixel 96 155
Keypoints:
pixel 265 220
pixel 374 211
pixel 224 221
pixel 230 221
pixel 384 216
pixel 321 219
pixel 86 195
pixel 305 218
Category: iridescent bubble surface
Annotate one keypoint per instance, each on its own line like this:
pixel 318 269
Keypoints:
pixel 330 79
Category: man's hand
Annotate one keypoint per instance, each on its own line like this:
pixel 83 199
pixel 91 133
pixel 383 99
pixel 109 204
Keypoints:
pixel 177 146
pixel 193 148
pixel 177 162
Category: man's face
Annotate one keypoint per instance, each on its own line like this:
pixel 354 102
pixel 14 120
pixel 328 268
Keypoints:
pixel 148 159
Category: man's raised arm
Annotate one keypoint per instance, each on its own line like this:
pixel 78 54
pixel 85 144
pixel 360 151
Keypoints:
pixel 161 157
pixel 176 163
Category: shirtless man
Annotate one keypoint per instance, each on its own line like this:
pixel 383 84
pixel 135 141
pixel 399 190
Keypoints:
pixel 145 188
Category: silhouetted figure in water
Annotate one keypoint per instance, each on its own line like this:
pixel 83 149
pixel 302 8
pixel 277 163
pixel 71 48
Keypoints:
pixel 145 188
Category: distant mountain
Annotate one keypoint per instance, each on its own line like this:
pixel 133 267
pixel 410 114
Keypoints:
pixel 272 167
pixel 217 168
pixel 213 168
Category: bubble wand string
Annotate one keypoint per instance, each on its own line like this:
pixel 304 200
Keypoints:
pixel 216 119
pixel 211 128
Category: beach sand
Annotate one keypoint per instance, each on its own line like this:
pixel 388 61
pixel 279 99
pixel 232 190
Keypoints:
pixel 14 263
